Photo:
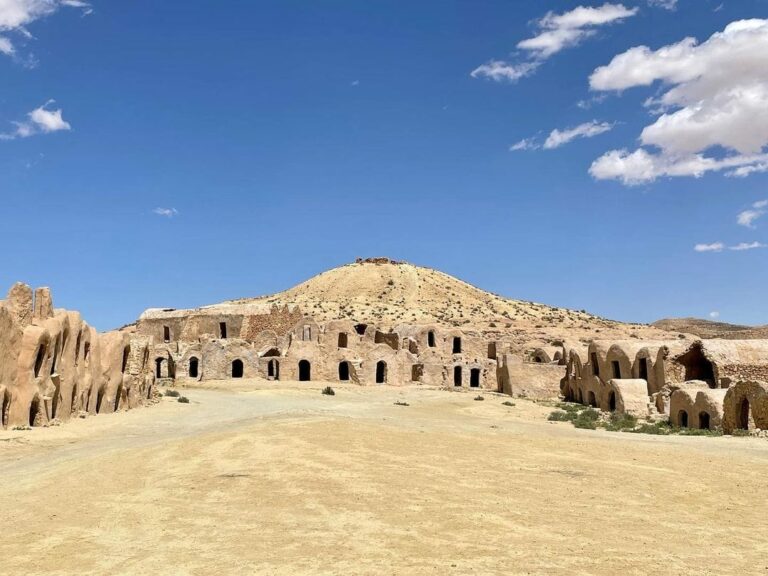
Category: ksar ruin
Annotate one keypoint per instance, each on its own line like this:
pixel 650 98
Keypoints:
pixel 55 367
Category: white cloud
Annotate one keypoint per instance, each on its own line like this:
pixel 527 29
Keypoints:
pixel 525 144
pixel 666 4
pixel 166 212
pixel 715 247
pixel 16 15
pixel 719 247
pixel 556 32
pixel 714 314
pixel 747 246
pixel 747 217
pixel 560 31
pixel 501 71
pixel 40 120
pixel 559 138
pixel 714 100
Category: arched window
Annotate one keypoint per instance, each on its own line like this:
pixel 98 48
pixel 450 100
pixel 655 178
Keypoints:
pixel 237 368
pixel 431 339
pixel 193 367
pixel 457 345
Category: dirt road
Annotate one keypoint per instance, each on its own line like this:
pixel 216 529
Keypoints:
pixel 287 481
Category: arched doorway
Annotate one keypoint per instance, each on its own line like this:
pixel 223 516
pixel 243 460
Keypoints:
pixel 431 339
pixel 457 375
pixel 305 371
pixel 457 345
pixel 159 367
pixel 474 378
pixel 704 421
pixel 343 371
pixel 34 411
pixel 381 372
pixel 744 414
pixel 193 367
pixel 682 418
pixel 273 370
pixel 591 400
pixel 612 401
pixel 237 368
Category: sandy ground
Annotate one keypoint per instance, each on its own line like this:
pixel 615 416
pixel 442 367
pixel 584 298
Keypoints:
pixel 288 481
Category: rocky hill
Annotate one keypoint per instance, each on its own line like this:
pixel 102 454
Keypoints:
pixel 710 329
pixel 388 293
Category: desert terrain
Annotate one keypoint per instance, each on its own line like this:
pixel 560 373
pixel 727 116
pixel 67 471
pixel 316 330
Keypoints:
pixel 255 478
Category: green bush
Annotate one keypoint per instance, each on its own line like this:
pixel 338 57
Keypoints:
pixel 183 400
pixel 401 403
pixel 328 391
pixel 621 422
pixel 559 416
pixel 479 398
pixel 172 393
pixel 657 428
pixel 507 403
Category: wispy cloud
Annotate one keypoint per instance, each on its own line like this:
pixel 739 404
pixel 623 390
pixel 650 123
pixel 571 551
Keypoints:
pixel 501 71
pixel 591 129
pixel 166 212
pixel 747 217
pixel 714 247
pixel 714 314
pixel 555 32
pixel 666 4
pixel 747 246
pixel 559 137
pixel 41 120
pixel 16 15
pixel 719 247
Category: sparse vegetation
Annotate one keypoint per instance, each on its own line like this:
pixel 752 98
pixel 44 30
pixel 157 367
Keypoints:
pixel 328 391
pixel 479 398
pixel 172 393
pixel 183 399
pixel 507 403
pixel 401 403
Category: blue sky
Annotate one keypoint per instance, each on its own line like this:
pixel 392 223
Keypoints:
pixel 283 138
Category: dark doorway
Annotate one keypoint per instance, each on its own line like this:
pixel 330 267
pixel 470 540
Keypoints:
pixel 457 375
pixel 237 369
pixel 193 367
pixel 305 371
pixel 616 369
pixel 223 330
pixel 118 397
pixel 697 367
pixel 457 345
pixel 744 414
pixel 612 401
pixel 34 410
pixel 273 370
pixel 431 339
pixel 591 400
pixel 474 378
pixel 417 371
pixel 492 350
pixel 643 372
pixel 361 328
pixel 682 418
pixel 595 365
pixel 166 333
pixel 381 372
pixel 342 340
pixel 704 421
pixel 343 371
pixel 159 367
